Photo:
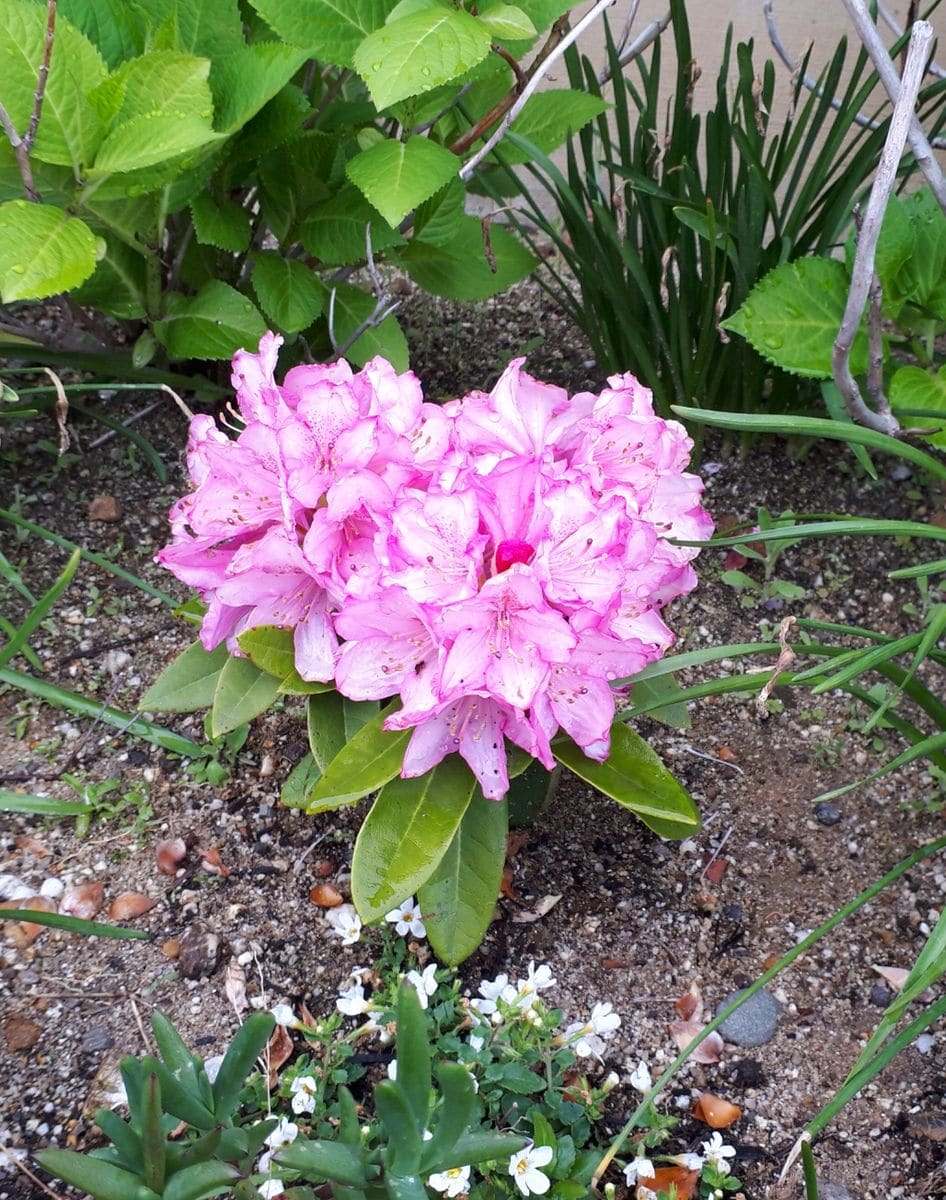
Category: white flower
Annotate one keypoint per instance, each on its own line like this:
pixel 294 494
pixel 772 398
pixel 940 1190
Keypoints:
pixel 282 1136
pixel 423 983
pixel 585 1043
pixel 344 923
pixel 476 1042
pixel 492 990
pixel 453 1182
pixel 524 1169
pixel 271 1188
pixel 640 1078
pixel 537 979
pixel 352 1001
pixel 407 919
pixel 638 1168
pixel 604 1021
pixel 392 1069
pixel 284 1015
pixel 591 1036
pixel 303 1092
pixel 692 1162
pixel 715 1152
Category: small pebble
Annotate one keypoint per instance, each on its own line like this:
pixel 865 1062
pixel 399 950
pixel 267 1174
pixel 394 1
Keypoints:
pixel 880 995
pixel 96 1040
pixel 833 1191
pixel 827 814
pixel 200 952
pixel 753 1024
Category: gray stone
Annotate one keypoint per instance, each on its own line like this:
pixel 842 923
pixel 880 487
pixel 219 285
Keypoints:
pixel 827 814
pixel 96 1040
pixel 827 1190
pixel 753 1024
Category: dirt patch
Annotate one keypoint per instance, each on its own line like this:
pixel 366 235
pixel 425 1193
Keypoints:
pixel 638 920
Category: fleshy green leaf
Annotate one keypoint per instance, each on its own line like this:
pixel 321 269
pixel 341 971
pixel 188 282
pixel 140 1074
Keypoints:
pixel 406 834
pixel 459 897
pixel 413 1053
pixel 417 53
pixel 397 176
pixel 215 323
pixel 635 776
pixel 239 1060
pixel 403 1135
pixel 242 693
pixel 188 683
pixel 352 308
pixel 792 317
pixel 225 224
pixel 100 1179
pixel 330 30
pixel 549 117
pixel 368 761
pixel 289 293
pixel 912 387
pixel 202 1180
pixel 324 1160
pixel 460 270
pixel 43 251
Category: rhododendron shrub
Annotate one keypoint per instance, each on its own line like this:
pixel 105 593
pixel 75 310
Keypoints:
pixel 492 570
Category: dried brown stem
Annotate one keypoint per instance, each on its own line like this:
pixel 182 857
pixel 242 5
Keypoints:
pixel 43 75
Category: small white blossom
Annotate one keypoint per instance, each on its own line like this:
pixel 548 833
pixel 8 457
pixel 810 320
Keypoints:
pixel 715 1152
pixel 537 980
pixel 352 1001
pixel 423 983
pixel 407 919
pixel 491 990
pixel 303 1091
pixel 638 1168
pixel 524 1169
pixel 271 1188
pixel 453 1182
pixel 476 1042
pixel 640 1078
pixel 611 1081
pixel 284 1015
pixel 692 1162
pixel 344 923
pixel 604 1020
pixel 282 1136
pixel 392 1069
pixel 592 1035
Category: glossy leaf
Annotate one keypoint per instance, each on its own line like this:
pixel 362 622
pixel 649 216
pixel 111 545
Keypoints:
pixel 102 1180
pixel 406 834
pixel 187 683
pixel 243 692
pixel 270 648
pixel 368 761
pixel 459 897
pixel 635 776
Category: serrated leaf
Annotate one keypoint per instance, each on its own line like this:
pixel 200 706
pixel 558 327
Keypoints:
pixel 506 21
pixel 187 683
pixel 792 317
pixel 397 176
pixel 242 693
pixel 459 897
pixel 150 139
pixel 289 293
pixel 352 308
pixel 460 270
pixel 206 27
pixel 114 27
pixel 215 323
pixel 912 387
pixel 543 12
pixel 69 131
pixel 117 285
pixel 334 232
pixel 249 77
pixel 549 117
pixel 330 30
pixel 406 834
pixel 160 81
pixel 43 251
pixel 417 53
pixel 635 776
pixel 224 224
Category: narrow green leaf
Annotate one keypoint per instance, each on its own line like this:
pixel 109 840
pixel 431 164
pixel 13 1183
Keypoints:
pixel 396 176
pixel 83 706
pixel 44 806
pixel 152 1136
pixel 477 1147
pixel 187 683
pixel 201 1181
pixel 921 749
pixel 39 612
pixel 634 776
pixel 403 1134
pixel 413 1054
pixel 405 835
pixel 43 251
pixel 456 1112
pixel 100 1179
pixel 74 924
pixel 243 692
pixel 318 1160
pixel 369 760
pixel 173 1049
pixel 239 1060
pixel 665 689
pixel 179 1098
pixel 459 897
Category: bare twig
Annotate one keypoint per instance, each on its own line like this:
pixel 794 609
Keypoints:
pixel 880 418
pixel 875 342
pixel 535 79
pixel 42 76
pixel 141 1027
pixel 177 400
pixel 384 305
pixel 883 64
pixel 22 155
pixel 61 410
pixel 897 30
pixel 126 424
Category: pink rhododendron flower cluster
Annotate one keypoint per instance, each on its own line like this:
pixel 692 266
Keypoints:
pixel 496 562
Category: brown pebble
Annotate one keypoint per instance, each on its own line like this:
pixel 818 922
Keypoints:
pixel 199 953
pixel 171 948
pixel 326 895
pixel 929 1125
pixel 324 867
pixel 104 508
pixel 21 1034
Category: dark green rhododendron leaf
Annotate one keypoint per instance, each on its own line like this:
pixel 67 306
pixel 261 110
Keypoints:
pixel 369 759
pixel 397 176
pixel 43 251
pixel 792 316
pixel 460 270
pixel 187 683
pixel 289 293
pixel 215 323
pixel 243 692
pixel 419 52
pixel 330 30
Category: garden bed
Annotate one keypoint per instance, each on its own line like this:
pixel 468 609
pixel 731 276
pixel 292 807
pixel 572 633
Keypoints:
pixel 636 922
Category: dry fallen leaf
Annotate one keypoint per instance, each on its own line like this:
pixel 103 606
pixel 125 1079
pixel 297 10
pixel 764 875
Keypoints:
pixel 545 905
pixel 235 986
pixel 715 1112
pixel 129 905
pixel 169 854
pixel 212 863
pixel 614 964
pixel 83 901
pixel 505 888
pixel 666 1178
pixel 280 1051
pixel 690 1006
pixel 24 933
pixel 715 870
pixel 708 1051
pixel 515 840
pixel 326 895
pixel 32 846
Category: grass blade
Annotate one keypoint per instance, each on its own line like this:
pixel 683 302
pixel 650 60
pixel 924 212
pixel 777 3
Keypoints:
pixel 39 611
pixel 74 924
pixel 44 806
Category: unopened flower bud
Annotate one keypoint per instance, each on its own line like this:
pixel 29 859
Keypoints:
pixel 611 1082
pixel 497 1018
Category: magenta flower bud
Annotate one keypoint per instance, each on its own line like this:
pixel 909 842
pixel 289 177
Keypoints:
pixel 513 550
